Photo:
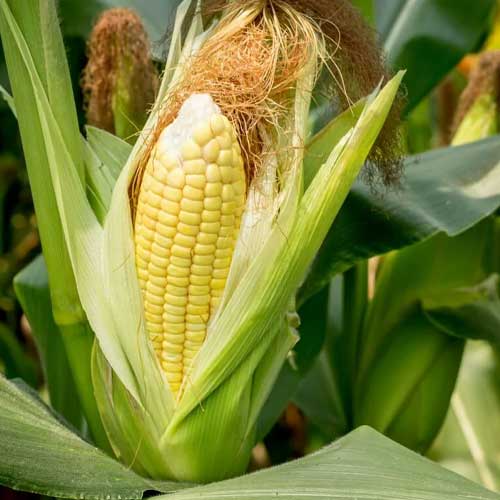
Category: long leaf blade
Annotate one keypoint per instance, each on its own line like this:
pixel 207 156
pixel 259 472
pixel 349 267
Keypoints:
pixel 363 465
pixel 444 191
pixel 41 455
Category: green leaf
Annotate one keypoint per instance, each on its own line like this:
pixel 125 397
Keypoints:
pixel 105 156
pixel 468 442
pixel 398 337
pixel 48 58
pixel 319 398
pixel 366 7
pixel 32 290
pixel 429 37
pixel 443 191
pixel 44 101
pixel 325 394
pixel 319 147
pixel 16 362
pixel 473 312
pixel 312 331
pixel 41 455
pixel 111 150
pixel 8 99
pixel 362 465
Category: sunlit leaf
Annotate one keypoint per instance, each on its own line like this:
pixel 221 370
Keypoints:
pixel 443 191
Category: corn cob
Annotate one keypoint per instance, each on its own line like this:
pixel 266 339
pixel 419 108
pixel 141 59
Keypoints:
pixel 188 214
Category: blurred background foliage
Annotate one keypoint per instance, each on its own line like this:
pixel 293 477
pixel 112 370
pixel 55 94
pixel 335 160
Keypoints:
pixel 382 339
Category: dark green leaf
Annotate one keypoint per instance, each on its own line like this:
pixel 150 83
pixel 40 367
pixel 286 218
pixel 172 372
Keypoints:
pixel 41 455
pixel 429 37
pixel 312 331
pixel 475 316
pixel 325 394
pixel 443 191
pixel 16 362
pixel 319 398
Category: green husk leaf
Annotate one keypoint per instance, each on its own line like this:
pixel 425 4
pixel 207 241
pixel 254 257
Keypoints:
pixel 321 144
pixel 105 155
pixel 479 122
pixel 111 150
pixel 427 362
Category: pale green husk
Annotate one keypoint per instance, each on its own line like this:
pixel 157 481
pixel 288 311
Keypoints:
pixel 479 122
pixel 209 433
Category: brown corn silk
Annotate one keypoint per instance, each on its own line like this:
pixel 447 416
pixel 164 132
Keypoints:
pixel 250 66
pixel 484 78
pixel 356 66
pixel 118 46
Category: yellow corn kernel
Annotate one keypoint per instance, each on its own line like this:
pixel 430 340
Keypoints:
pixel 187 217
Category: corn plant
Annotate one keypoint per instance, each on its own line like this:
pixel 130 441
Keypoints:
pixel 182 259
